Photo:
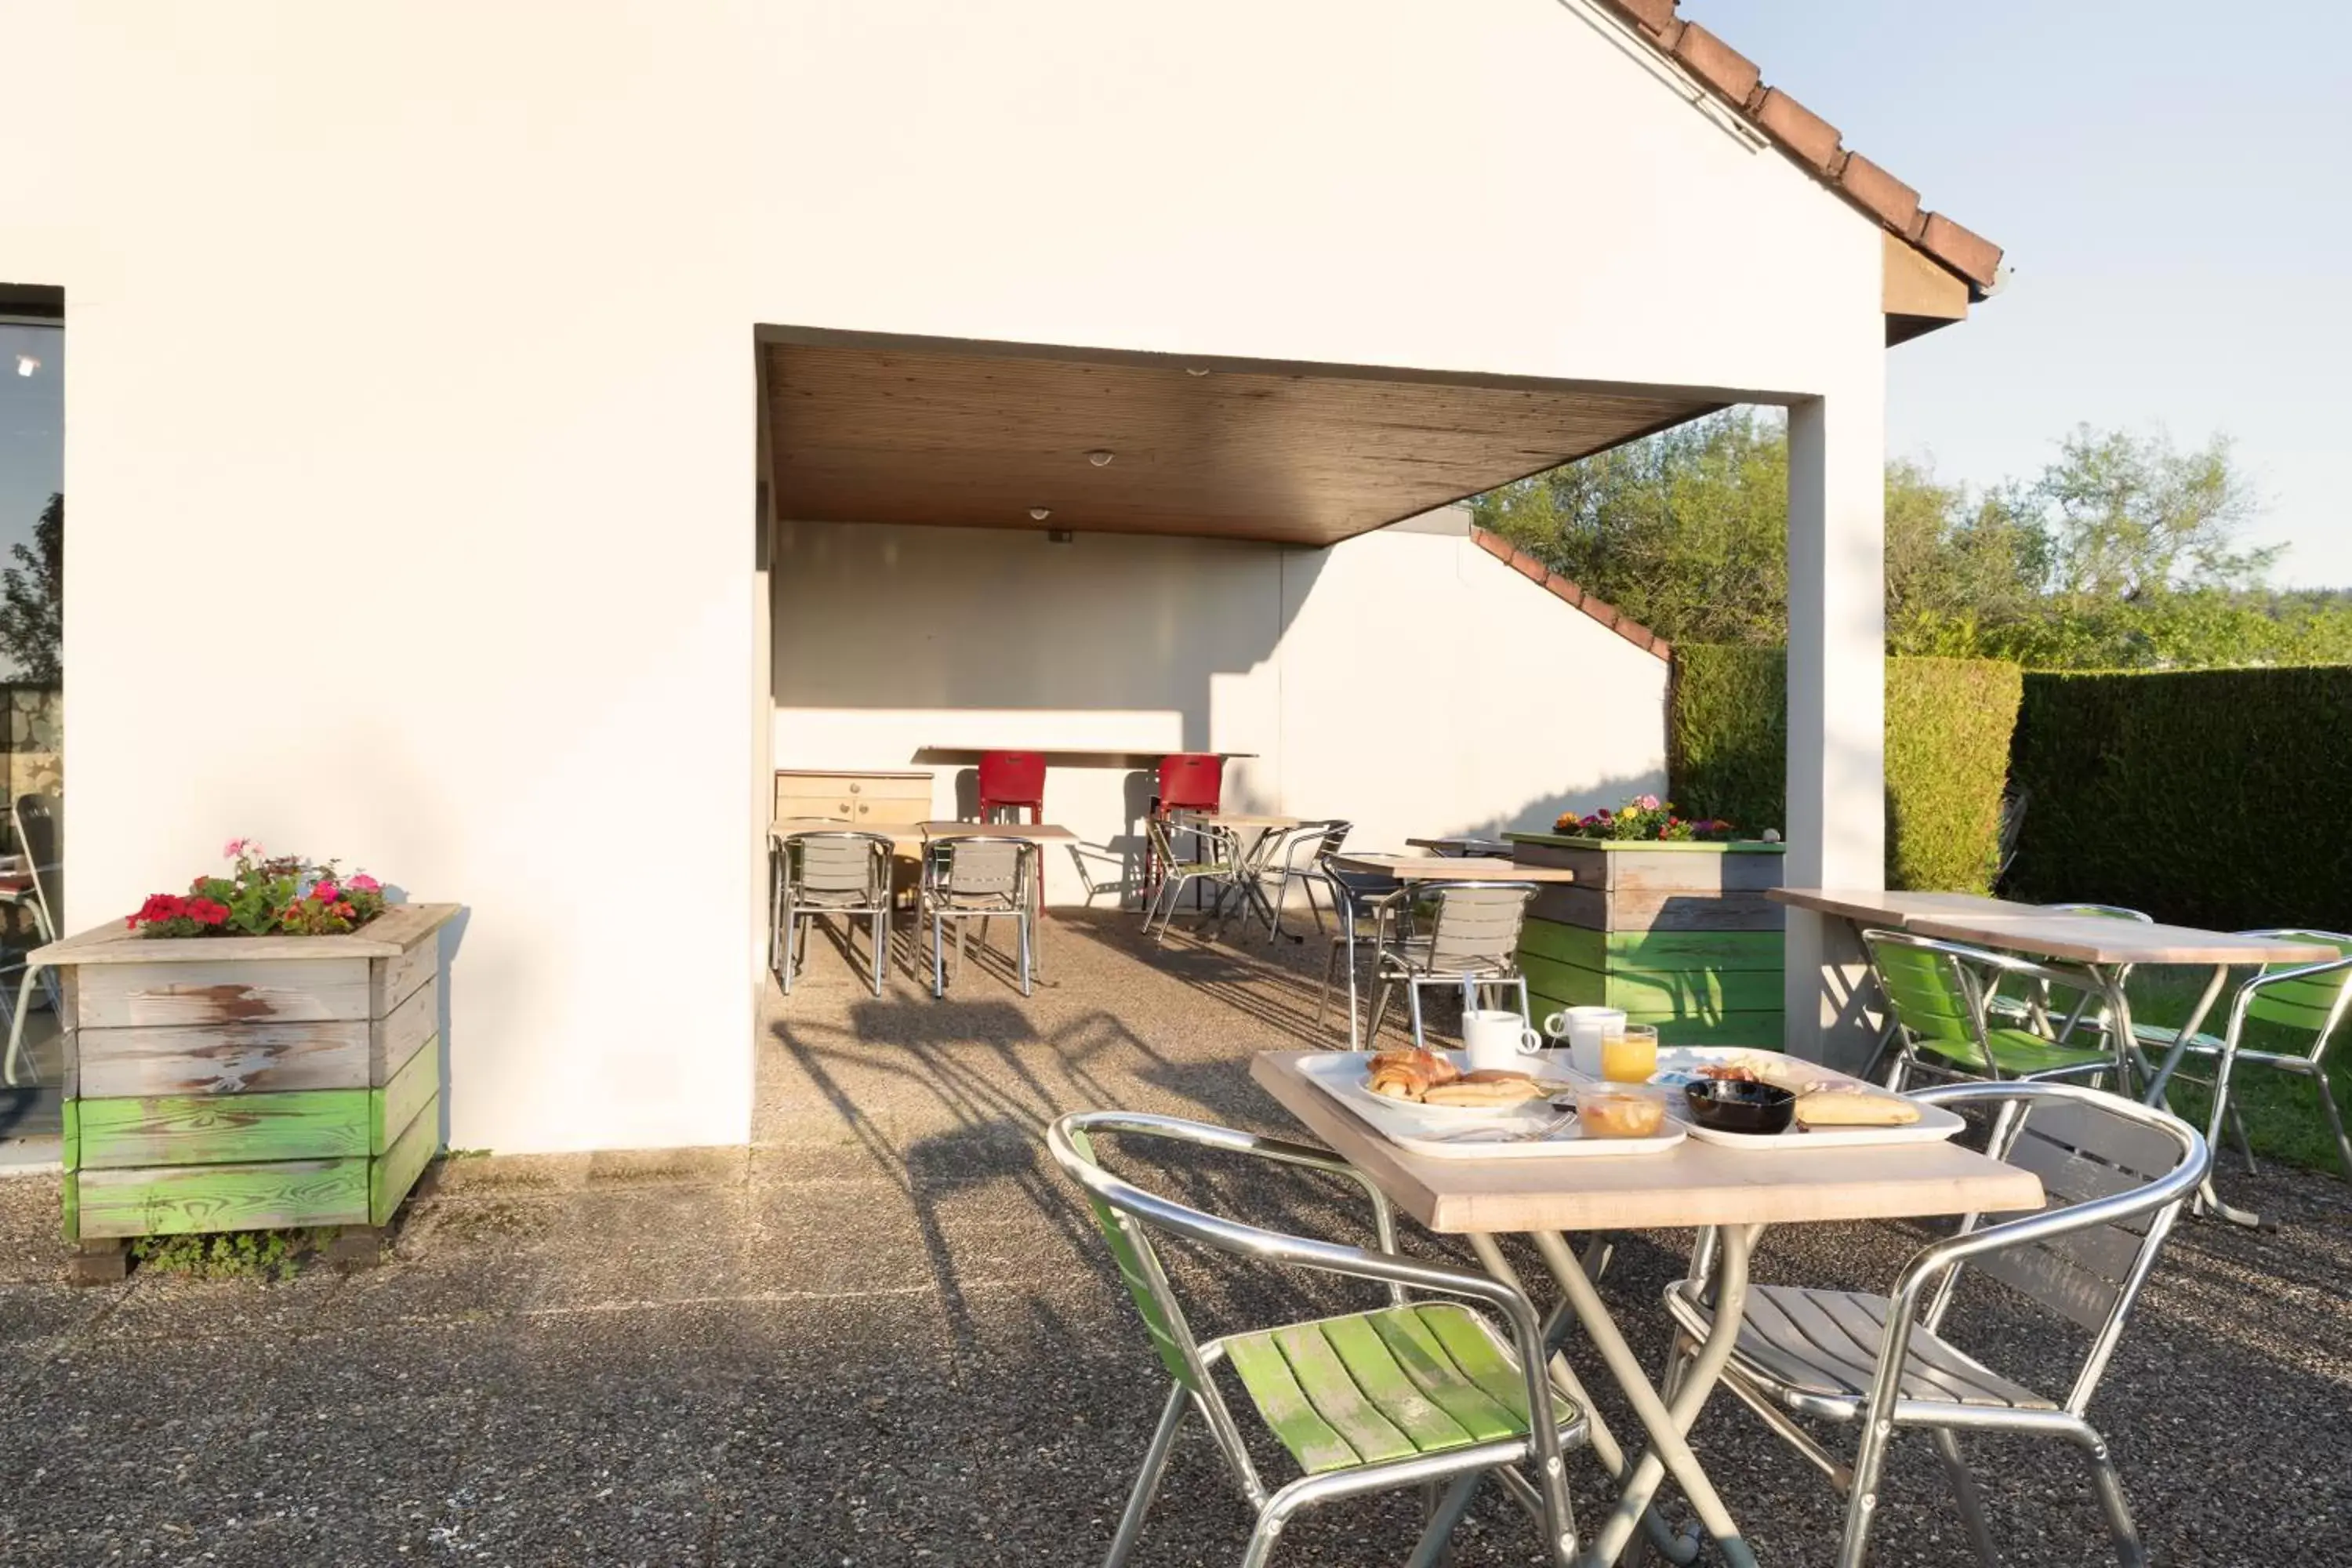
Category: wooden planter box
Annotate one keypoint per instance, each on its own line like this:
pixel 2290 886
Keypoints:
pixel 1680 936
pixel 248 1083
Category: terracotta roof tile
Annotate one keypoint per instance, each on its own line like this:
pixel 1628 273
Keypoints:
pixel 1971 256
pixel 1716 63
pixel 1879 194
pixel 1561 588
pixel 1812 141
pixel 1656 15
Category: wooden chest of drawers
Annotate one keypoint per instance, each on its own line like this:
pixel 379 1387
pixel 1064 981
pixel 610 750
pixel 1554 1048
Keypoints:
pixel 868 799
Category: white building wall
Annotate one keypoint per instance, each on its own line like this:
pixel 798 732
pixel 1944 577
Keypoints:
pixel 1406 680
pixel 410 426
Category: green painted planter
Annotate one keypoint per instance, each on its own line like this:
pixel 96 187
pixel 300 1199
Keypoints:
pixel 248 1083
pixel 1680 935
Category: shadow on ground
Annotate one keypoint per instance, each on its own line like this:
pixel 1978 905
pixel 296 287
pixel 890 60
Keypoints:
pixel 886 1334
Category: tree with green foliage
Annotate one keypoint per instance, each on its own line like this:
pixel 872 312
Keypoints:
pixel 32 598
pixel 2124 552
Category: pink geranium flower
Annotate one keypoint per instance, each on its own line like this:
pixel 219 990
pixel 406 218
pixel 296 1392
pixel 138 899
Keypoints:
pixel 364 883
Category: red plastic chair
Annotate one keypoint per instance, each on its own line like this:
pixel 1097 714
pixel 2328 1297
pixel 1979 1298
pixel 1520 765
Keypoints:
pixel 1011 779
pixel 1189 781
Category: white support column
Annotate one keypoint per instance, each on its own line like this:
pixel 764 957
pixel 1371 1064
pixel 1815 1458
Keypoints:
pixel 1837 829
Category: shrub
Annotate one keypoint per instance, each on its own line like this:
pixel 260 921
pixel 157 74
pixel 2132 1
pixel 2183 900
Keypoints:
pixel 1727 733
pixel 2215 798
pixel 1948 725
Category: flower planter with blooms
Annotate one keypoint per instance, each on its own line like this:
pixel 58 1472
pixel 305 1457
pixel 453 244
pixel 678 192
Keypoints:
pixel 1645 816
pixel 283 895
pixel 261 1051
pixel 1667 919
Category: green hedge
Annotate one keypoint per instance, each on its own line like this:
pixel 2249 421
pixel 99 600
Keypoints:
pixel 1728 735
pixel 1948 724
pixel 2219 798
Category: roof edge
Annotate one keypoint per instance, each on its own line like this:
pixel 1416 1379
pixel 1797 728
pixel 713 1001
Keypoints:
pixel 1568 593
pixel 1811 142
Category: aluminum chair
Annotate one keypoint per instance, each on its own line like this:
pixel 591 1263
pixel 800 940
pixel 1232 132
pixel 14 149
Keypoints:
pixel 1297 860
pixel 1939 1001
pixel 2313 998
pixel 817 873
pixel 35 819
pixel 1473 942
pixel 1360 909
pixel 1408 1394
pixel 978 876
pixel 1219 865
pixel 2120 1168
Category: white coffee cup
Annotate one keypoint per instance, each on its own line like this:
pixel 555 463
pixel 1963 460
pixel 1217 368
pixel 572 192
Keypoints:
pixel 1497 1041
pixel 1586 1027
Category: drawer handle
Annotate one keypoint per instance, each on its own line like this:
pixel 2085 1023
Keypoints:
pixel 856 789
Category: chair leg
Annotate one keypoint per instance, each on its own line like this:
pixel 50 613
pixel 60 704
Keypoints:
pixel 17 1025
pixel 2245 1146
pixel 1412 1000
pixel 881 947
pixel 2326 1103
pixel 1260 1550
pixel 1323 991
pixel 938 958
pixel 1965 1492
pixel 2110 1488
pixel 1021 935
pixel 1146 1480
pixel 1379 1012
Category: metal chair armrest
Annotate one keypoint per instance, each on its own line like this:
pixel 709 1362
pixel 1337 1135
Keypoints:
pixel 1233 1140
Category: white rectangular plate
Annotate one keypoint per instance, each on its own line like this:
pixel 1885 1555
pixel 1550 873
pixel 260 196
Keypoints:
pixel 1678 1065
pixel 1453 1133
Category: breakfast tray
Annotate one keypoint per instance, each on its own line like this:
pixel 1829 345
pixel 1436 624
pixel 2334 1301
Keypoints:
pixel 1484 1134
pixel 1679 1065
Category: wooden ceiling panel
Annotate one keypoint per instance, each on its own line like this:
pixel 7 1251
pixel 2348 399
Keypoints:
pixel 884 435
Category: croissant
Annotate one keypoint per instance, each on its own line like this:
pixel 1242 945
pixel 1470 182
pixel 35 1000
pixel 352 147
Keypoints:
pixel 1410 1075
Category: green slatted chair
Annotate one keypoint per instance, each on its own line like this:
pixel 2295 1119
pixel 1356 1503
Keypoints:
pixel 2310 997
pixel 1409 1394
pixel 1938 995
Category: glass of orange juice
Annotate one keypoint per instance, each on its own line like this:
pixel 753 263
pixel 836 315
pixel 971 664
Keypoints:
pixel 1631 1057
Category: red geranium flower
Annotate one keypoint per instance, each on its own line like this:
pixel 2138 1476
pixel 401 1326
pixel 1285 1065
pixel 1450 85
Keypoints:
pixel 207 911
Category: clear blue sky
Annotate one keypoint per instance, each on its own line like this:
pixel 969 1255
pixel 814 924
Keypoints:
pixel 2172 183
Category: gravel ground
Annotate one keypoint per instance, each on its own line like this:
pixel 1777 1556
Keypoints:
pixel 885 1334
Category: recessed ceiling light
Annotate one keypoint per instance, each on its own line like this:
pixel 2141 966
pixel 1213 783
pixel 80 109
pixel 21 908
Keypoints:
pixel 1099 457
pixel 27 364
pixel 1040 514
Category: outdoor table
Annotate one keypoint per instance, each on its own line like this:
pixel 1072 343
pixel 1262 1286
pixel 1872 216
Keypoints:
pixel 1450 869
pixel 1269 826
pixel 1494 848
pixel 1727 1195
pixel 2105 947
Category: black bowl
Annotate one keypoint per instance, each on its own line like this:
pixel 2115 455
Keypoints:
pixel 1728 1105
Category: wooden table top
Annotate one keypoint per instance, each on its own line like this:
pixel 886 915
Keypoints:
pixel 2047 933
pixel 1894 910
pixel 1466 844
pixel 1692 1185
pixel 1451 868
pixel 909 837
